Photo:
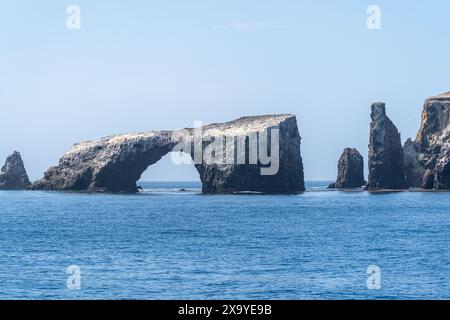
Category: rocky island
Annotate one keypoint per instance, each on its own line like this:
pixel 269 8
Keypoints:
pixel 115 163
pixel 421 163
pixel 13 175
pixel 350 170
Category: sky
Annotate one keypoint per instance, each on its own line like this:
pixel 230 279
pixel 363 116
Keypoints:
pixel 136 66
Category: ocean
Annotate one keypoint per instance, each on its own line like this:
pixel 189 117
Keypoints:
pixel 169 244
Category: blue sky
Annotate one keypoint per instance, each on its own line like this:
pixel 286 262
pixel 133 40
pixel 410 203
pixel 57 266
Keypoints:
pixel 144 65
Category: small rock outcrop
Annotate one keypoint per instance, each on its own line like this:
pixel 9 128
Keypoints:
pixel 350 170
pixel 386 157
pixel 427 159
pixel 115 163
pixel 13 175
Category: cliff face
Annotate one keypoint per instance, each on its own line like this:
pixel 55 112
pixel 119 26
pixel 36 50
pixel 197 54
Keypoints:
pixel 350 170
pixel 442 169
pixel 428 158
pixel 386 158
pixel 115 163
pixel 13 175
pixel 414 172
pixel 286 176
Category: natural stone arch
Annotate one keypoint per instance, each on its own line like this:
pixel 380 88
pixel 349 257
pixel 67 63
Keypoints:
pixel 112 164
pixel 168 170
pixel 115 163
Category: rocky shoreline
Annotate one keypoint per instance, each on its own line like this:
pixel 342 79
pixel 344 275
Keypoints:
pixel 114 164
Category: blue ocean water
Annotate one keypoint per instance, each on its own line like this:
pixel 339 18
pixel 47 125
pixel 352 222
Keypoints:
pixel 168 244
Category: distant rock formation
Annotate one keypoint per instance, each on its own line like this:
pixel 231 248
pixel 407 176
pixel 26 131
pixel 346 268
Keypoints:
pixel 350 170
pixel 386 157
pixel 13 175
pixel 115 163
pixel 427 159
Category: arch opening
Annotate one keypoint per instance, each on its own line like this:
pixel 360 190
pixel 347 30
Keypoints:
pixel 167 173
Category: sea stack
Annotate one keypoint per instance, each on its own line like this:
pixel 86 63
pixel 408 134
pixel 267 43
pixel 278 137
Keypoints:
pixel 13 175
pixel 427 159
pixel 115 163
pixel 350 170
pixel 231 178
pixel 386 158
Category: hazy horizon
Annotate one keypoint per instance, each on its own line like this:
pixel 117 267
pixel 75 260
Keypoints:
pixel 151 65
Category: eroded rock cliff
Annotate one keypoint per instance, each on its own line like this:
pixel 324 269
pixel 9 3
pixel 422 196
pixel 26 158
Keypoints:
pixel 13 175
pixel 350 170
pixel 285 176
pixel 428 159
pixel 386 157
pixel 115 163
pixel 414 172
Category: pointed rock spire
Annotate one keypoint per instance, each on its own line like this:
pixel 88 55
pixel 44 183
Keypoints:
pixel 386 158
pixel 13 175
